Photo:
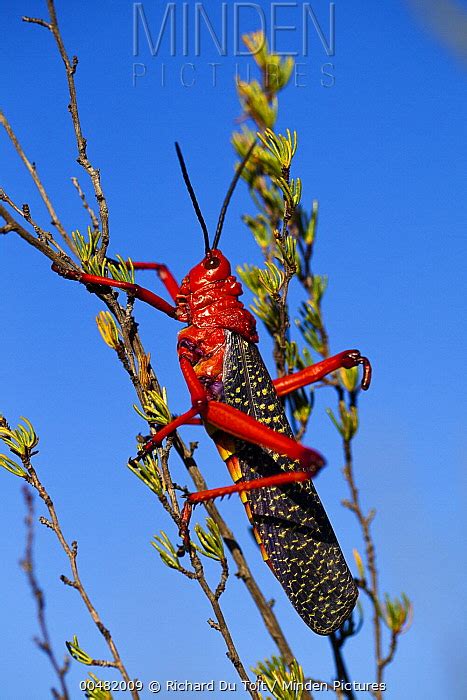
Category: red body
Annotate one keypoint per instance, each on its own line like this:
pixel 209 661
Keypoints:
pixel 208 303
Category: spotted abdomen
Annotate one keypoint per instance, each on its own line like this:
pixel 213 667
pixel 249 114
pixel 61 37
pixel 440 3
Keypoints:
pixel 290 523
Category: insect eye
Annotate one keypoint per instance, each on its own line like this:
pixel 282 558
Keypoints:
pixel 211 263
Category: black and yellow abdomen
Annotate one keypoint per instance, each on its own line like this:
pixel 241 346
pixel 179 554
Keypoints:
pixel 290 523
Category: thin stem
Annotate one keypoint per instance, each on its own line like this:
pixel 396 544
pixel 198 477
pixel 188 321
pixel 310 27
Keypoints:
pixel 135 353
pixel 90 211
pixel 71 551
pixel 83 160
pixel 43 236
pixel 13 225
pixel 27 564
pixel 31 168
pixel 341 669
pixel 365 522
pixel 221 625
pixel 387 659
pixel 243 570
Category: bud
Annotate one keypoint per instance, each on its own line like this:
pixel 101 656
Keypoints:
pixel 397 613
pixel 359 563
pixel 108 329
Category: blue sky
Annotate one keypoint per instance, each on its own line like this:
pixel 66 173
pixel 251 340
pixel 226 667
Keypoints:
pixel 384 152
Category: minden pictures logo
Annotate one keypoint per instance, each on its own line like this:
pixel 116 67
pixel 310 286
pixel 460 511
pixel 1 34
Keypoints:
pixel 193 44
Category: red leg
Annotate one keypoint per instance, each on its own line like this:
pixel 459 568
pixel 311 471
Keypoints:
pixel 234 422
pixel 186 418
pixel 348 358
pixel 139 292
pixel 165 276
pixel 210 494
pixel 252 485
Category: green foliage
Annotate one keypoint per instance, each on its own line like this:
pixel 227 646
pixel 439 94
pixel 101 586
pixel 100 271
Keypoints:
pixel 311 322
pixel 11 466
pixel 275 69
pixel 397 613
pixel 155 409
pixel 254 100
pixel 123 271
pixel 282 683
pixel 108 329
pixel 309 224
pixel 359 563
pixel 95 689
pixel 211 542
pixel 147 469
pixel 283 148
pixel 264 305
pixel 21 441
pixel 271 279
pixel 77 653
pixel 348 423
pixel 349 378
pixel 167 551
pixel 296 361
pixel 87 248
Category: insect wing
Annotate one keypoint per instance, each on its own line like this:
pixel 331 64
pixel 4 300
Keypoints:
pixel 290 523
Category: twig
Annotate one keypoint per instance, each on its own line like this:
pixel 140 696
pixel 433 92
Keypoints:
pixel 83 160
pixel 82 196
pixel 365 522
pixel 31 168
pixel 392 650
pixel 13 225
pixel 27 564
pixel 134 351
pixel 243 570
pixel 44 236
pixel 342 673
pixel 71 551
pixel 221 625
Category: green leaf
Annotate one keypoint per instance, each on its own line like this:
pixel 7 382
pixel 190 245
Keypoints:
pixel 397 613
pixel 211 542
pixel 77 653
pixel 282 683
pixel 123 272
pixel 147 469
pixel 155 409
pixel 166 550
pixel 12 466
pixel 21 441
pixel 96 689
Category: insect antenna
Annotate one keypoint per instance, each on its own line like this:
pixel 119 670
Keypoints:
pixel 228 196
pixel 194 201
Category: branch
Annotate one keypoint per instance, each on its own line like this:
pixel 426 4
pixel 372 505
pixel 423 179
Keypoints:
pixel 221 625
pixel 44 237
pixel 31 168
pixel 27 564
pixel 82 196
pixel 243 570
pixel 392 650
pixel 83 160
pixel 365 522
pixel 71 551
pixel 131 354
pixel 42 245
